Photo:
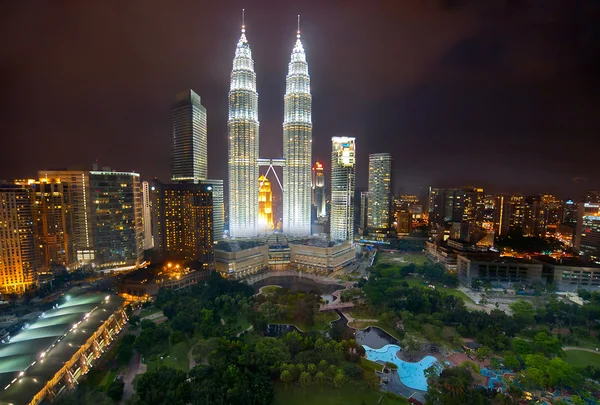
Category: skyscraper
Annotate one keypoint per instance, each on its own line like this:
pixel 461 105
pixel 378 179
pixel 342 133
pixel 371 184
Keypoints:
pixel 189 154
pixel 342 188
pixel 218 209
pixel 17 255
pixel 318 188
pixel 148 243
pixel 243 140
pixel 380 191
pixel 77 190
pixel 297 145
pixel 184 227
pixel 587 236
pixel 265 205
pixel 116 218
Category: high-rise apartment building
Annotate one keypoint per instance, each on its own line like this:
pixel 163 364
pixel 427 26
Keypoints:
pixel 363 215
pixel 380 191
pixel 53 231
pixel 243 131
pixel 147 218
pixel 115 200
pixel 189 154
pixel 343 172
pixel 218 211
pixel 474 206
pixel 265 205
pixel 76 186
pixel 297 145
pixel 587 236
pixel 184 216
pixel 318 189
pixel 17 252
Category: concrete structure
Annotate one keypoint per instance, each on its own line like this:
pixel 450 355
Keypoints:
pixel 570 274
pixel 147 216
pixel 321 258
pixel 499 271
pixel 297 145
pixel 116 219
pixel 17 253
pixel 189 154
pixel 380 191
pixel 238 259
pixel 343 173
pixel 55 351
pixel 403 223
pixel 441 253
pixel 243 131
pixel 184 221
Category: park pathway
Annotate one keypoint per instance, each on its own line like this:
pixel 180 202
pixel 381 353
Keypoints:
pixel 133 369
pixel 583 349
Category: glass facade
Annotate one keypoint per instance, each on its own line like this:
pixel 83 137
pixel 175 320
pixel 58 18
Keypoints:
pixel 297 146
pixel 380 191
pixel 116 218
pixel 343 172
pixel 243 140
pixel 189 154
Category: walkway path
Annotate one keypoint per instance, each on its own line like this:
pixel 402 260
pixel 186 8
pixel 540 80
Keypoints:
pixel 278 273
pixel 583 349
pixel 351 319
pixel 133 369
pixel 248 329
pixel 191 358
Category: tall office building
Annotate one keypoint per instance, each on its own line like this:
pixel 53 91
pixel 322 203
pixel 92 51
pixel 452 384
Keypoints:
pixel 587 236
pixel 380 191
pixel 343 172
pixel 318 189
pixel 243 139
pixel 189 154
pixel 218 209
pixel 297 145
pixel 17 255
pixel 265 205
pixel 146 216
pixel 76 191
pixel 363 218
pixel 184 215
pixel 116 218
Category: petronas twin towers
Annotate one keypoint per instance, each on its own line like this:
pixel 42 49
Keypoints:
pixel 243 132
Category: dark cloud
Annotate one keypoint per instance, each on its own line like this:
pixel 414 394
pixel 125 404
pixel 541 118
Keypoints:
pixel 498 93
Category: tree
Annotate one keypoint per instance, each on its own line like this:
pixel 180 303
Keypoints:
pixel 523 312
pixel 305 380
pixel 577 400
pixel 115 389
pixel 286 377
pixel 511 361
pixel 339 380
pixel 483 352
pixel 320 379
pixel 166 386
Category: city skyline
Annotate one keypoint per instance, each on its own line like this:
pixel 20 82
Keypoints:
pixel 475 100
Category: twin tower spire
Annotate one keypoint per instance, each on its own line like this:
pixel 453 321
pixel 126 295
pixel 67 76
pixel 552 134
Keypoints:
pixel 243 143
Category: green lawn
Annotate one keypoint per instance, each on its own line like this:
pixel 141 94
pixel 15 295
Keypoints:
pixel 237 321
pixel 269 289
pixel 366 364
pixel 149 311
pixel 401 259
pixel 417 281
pixel 107 380
pixel 580 358
pixel 322 320
pixel 350 394
pixel 363 312
pixel 176 358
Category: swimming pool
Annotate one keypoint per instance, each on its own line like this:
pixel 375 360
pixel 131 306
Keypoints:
pixel 411 374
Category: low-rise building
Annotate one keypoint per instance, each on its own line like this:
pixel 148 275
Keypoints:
pixel 498 271
pixel 323 258
pixel 441 253
pixel 238 259
pixel 570 274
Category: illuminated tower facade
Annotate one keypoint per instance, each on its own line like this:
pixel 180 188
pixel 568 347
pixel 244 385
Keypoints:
pixel 265 205
pixel 343 172
pixel 297 145
pixel 242 130
pixel 188 117
pixel 318 189
pixel 380 191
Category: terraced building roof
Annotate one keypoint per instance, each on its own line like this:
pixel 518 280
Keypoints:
pixel 33 357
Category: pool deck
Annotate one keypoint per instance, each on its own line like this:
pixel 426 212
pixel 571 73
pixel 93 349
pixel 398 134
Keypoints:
pixel 396 386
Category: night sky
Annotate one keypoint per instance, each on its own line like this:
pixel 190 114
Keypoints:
pixel 494 93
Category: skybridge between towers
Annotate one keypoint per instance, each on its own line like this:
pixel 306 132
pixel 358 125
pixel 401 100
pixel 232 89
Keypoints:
pixel 276 162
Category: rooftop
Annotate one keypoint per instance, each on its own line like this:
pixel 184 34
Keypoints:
pixel 34 355
pixel 494 257
pixel 566 261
